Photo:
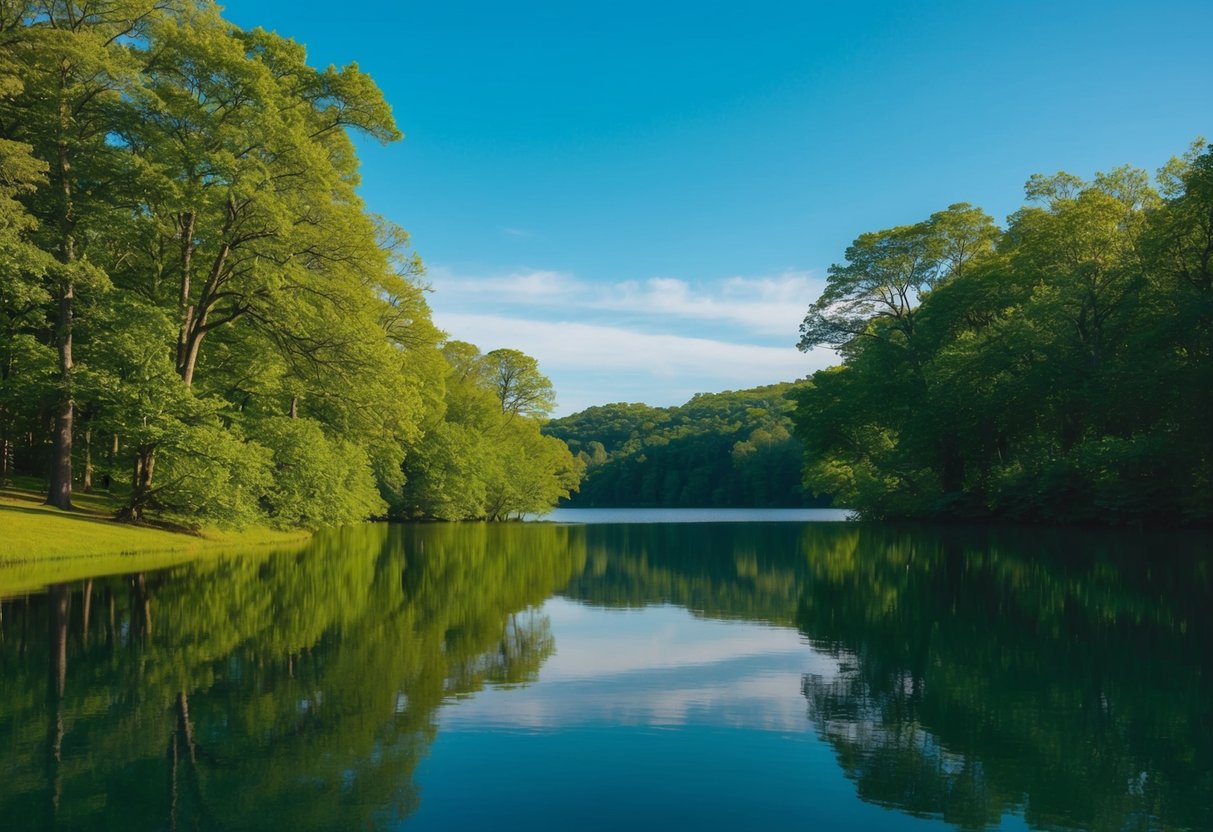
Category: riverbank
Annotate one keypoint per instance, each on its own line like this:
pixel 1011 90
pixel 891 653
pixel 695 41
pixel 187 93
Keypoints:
pixel 40 544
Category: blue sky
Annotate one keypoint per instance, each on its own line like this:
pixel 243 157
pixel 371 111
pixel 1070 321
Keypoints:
pixel 646 196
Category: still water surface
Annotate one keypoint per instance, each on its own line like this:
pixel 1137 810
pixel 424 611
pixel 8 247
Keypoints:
pixel 740 675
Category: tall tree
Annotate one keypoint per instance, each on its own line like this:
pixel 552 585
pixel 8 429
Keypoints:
pixel 79 63
pixel 22 267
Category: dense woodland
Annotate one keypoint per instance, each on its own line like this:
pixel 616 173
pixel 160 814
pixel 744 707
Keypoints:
pixel 198 311
pixel 1057 370
pixel 718 449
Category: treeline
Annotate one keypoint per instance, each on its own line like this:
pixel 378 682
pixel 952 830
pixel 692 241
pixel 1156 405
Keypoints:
pixel 718 449
pixel 1057 370
pixel 196 306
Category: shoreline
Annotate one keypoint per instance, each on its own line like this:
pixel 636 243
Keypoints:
pixel 41 545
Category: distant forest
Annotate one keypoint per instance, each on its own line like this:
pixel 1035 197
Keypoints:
pixel 718 449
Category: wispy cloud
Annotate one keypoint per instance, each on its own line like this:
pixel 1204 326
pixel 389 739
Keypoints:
pixel 595 364
pixel 576 346
pixel 658 666
pixel 658 341
pixel 767 305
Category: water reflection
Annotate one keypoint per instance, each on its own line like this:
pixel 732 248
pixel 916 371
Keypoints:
pixel 1064 675
pixel 962 676
pixel 294 690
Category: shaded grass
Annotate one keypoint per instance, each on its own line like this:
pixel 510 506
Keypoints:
pixel 40 544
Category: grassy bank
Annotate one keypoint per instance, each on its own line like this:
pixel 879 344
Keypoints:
pixel 39 544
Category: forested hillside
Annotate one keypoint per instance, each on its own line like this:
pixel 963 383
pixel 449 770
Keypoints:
pixel 196 308
pixel 1057 370
pixel 718 449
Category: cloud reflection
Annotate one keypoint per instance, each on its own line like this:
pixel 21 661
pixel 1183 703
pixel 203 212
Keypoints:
pixel 659 667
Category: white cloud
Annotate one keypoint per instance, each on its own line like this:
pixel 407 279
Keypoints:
pixel 595 364
pixel 658 341
pixel 769 306
pixel 579 346
pixel 657 666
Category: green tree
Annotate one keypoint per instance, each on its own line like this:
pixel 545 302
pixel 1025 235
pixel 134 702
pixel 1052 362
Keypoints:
pixel 720 449
pixel 518 384
pixel 78 67
pixel 486 457
pixel 1053 372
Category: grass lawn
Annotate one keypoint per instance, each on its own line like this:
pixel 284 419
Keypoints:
pixel 40 544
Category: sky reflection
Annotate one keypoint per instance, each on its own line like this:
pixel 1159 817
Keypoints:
pixel 658 666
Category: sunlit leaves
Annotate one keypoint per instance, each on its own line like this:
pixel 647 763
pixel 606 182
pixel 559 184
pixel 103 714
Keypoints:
pixel 1053 371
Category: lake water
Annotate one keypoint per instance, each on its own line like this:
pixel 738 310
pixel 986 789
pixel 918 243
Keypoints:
pixel 754 674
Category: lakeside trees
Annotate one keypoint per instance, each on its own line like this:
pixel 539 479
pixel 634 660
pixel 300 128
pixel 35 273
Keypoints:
pixel 486 457
pixel 1058 370
pixel 194 299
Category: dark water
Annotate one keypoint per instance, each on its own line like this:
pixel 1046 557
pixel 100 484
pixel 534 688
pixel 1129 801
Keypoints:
pixel 655 676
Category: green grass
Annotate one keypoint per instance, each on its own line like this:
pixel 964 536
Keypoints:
pixel 40 544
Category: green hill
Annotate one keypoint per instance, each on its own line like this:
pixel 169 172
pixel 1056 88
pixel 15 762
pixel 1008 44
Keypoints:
pixel 734 448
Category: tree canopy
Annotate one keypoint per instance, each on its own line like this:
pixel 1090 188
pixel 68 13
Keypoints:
pixel 197 309
pixel 1056 370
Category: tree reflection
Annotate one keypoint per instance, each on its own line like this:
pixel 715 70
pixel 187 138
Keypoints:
pixel 1062 675
pixel 290 690
pixel 983 673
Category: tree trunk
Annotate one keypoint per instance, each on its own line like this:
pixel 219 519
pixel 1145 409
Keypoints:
pixel 190 357
pixel 87 608
pixel 183 302
pixel 111 462
pixel 58 618
pixel 59 494
pixel 294 407
pixel 141 609
pixel 193 317
pixel 141 483
pixel 86 481
pixel 60 600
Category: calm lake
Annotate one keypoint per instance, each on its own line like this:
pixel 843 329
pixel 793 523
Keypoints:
pixel 774 671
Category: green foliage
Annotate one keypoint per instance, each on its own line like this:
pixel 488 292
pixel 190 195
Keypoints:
pixel 316 481
pixel 195 305
pixel 719 449
pixel 486 458
pixel 979 672
pixel 518 384
pixel 1058 371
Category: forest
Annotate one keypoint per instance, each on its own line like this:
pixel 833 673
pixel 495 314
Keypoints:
pixel 734 448
pixel 199 315
pixel 198 312
pixel 1057 370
